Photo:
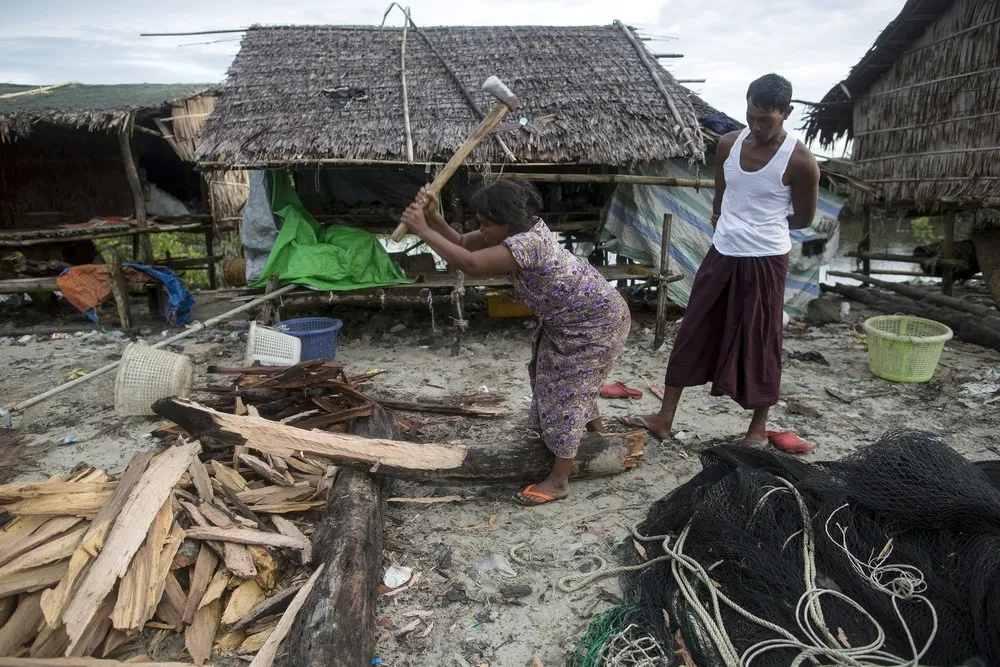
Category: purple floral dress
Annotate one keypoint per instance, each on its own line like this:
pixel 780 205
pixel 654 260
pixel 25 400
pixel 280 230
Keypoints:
pixel 584 322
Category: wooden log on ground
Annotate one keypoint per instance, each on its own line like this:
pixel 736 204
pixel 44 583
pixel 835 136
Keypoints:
pixel 966 327
pixel 922 295
pixel 598 455
pixel 336 627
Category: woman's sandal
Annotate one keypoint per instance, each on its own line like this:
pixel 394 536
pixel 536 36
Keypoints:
pixel 528 491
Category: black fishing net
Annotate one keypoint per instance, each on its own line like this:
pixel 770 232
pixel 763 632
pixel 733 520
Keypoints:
pixel 902 536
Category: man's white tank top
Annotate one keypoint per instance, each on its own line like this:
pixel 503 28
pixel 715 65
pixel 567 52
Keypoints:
pixel 755 205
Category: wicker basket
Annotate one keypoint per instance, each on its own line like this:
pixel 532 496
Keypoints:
pixel 903 348
pixel 272 348
pixel 146 375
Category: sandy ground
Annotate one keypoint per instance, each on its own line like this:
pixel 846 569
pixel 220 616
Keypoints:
pixel 490 618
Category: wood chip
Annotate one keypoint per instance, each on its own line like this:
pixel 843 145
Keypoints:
pixel 271 605
pixel 408 628
pixel 216 588
pixel 140 583
pixel 265 657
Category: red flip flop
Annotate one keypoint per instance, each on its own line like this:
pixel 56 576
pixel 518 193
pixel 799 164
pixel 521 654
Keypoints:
pixel 620 390
pixel 789 441
pixel 531 493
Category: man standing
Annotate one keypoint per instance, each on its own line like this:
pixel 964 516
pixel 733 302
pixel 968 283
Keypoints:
pixel 766 182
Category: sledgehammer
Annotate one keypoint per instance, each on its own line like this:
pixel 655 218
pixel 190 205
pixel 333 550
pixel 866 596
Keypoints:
pixel 508 102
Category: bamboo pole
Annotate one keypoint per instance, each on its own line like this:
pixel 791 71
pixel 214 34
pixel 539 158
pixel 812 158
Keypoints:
pixel 5 413
pixel 406 102
pixel 947 254
pixel 139 202
pixel 865 244
pixel 661 290
pixel 621 179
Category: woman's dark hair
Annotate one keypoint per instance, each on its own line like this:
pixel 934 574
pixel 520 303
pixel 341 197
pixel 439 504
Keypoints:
pixel 511 203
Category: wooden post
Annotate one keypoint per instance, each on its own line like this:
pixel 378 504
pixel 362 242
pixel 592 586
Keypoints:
pixel 865 244
pixel 210 255
pixel 139 202
pixel 457 296
pixel 947 253
pixel 119 287
pixel 268 314
pixel 661 288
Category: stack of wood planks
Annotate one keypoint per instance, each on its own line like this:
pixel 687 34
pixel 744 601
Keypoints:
pixel 204 548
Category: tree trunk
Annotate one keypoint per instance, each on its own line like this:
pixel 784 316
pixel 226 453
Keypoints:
pixel 336 626
pixel 488 462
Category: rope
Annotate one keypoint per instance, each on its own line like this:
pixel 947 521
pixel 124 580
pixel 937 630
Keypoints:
pixel 901 582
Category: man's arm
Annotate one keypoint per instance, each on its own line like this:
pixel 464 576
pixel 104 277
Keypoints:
pixel 721 155
pixel 805 188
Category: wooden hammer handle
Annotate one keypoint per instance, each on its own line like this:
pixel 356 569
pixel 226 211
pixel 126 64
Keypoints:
pixel 480 133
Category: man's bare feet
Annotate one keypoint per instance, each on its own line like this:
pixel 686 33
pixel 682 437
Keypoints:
pixel 655 424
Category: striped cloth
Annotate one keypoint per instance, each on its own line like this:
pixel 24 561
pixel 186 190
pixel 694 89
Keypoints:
pixel 633 222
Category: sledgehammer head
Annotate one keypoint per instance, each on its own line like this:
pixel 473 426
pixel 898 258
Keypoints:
pixel 498 89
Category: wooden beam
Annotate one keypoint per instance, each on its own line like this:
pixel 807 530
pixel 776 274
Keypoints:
pixel 125 142
pixel 622 179
pixel 119 287
pixel 483 462
pixel 948 254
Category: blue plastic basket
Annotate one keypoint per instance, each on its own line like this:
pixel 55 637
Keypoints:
pixel 318 336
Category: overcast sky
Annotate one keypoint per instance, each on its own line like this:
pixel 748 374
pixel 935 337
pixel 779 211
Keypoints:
pixel 728 42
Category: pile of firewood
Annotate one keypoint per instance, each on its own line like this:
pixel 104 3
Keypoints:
pixel 178 544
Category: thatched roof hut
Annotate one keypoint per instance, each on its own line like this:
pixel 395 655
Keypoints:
pixel 333 94
pixel 923 106
pixel 94 108
pixel 61 160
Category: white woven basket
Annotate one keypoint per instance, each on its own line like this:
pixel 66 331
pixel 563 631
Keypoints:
pixel 272 348
pixel 146 375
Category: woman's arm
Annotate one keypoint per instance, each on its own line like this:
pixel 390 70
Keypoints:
pixel 470 241
pixel 491 261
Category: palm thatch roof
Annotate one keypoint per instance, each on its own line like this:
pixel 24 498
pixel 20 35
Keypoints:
pixel 306 94
pixel 923 106
pixel 76 105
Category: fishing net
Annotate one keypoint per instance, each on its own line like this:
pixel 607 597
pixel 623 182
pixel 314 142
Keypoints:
pixel 889 556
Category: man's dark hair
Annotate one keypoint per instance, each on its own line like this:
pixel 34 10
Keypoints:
pixel 508 203
pixel 770 91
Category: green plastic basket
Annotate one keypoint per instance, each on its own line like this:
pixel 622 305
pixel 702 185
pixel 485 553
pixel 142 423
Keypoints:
pixel 903 348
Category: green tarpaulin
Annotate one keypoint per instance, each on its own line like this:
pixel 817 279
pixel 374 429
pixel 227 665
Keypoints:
pixel 333 258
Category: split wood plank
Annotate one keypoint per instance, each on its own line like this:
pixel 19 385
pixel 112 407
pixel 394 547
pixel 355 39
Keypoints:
pixel 220 582
pixel 84 504
pixel 276 494
pixel 202 482
pixel 229 477
pixel 200 635
pixel 265 657
pixel 597 456
pixel 33 532
pixel 245 536
pixel 286 527
pixel 35 579
pixel 134 606
pixel 236 557
pixel 245 597
pixel 24 491
pixel 271 605
pixel 139 511
pixel 23 624
pixel 54 601
pixel 264 470
pixel 171 607
pixel 204 570
pixel 55 549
